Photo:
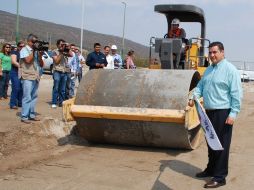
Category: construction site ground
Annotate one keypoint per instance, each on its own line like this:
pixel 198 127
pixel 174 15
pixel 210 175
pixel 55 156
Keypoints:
pixel 47 155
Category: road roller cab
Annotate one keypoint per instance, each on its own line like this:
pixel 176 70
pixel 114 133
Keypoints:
pixel 181 53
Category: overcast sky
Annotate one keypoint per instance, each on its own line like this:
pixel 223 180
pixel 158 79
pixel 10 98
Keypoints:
pixel 229 21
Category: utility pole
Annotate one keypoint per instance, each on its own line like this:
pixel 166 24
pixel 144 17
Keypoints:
pixel 123 28
pixel 17 23
pixel 151 45
pixel 50 45
pixel 82 26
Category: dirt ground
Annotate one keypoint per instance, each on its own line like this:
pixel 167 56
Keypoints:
pixel 46 156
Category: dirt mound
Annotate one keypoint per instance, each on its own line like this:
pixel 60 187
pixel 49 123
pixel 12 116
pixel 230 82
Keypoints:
pixel 31 143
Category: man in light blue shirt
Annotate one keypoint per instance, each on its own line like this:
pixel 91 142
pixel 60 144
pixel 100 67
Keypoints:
pixel 71 69
pixel 118 62
pixel 30 65
pixel 74 64
pixel 221 90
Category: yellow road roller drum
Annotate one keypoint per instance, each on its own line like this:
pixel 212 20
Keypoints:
pixel 137 107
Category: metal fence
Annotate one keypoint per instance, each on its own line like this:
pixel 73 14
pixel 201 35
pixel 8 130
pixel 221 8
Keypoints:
pixel 240 65
pixel 246 69
pixel 244 65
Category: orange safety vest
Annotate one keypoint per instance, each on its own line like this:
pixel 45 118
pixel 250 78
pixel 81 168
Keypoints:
pixel 176 33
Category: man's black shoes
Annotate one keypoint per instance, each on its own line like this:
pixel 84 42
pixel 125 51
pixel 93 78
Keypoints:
pixel 214 184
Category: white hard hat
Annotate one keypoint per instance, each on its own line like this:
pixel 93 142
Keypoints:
pixel 175 21
pixel 114 47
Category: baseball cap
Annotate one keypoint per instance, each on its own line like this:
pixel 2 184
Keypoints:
pixel 113 47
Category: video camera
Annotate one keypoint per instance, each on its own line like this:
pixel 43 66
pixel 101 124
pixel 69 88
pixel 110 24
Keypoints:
pixel 40 45
pixel 65 48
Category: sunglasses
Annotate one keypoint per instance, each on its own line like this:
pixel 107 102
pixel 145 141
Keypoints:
pixel 7 47
pixel 21 46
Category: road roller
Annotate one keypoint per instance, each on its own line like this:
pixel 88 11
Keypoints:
pixel 142 107
pixel 139 107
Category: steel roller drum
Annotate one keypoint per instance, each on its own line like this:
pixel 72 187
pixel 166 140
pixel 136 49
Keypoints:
pixel 140 88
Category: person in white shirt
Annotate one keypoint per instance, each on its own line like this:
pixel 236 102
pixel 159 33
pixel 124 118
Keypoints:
pixel 109 58
pixel 71 68
pixel 81 63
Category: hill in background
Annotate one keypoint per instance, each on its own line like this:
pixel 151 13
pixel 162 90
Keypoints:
pixel 49 31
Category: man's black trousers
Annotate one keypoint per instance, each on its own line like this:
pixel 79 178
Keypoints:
pixel 218 160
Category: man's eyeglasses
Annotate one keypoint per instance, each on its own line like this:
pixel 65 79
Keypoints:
pixel 212 52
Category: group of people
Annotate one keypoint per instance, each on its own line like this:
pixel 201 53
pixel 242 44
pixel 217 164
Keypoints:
pixel 97 59
pixel 221 90
pixel 9 70
pixel 68 63
pixel 67 68
pixel 23 65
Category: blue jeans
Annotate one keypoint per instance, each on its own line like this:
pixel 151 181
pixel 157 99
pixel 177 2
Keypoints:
pixel 29 99
pixel 59 87
pixel 80 74
pixel 72 86
pixel 4 83
pixel 16 89
pixel 68 87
